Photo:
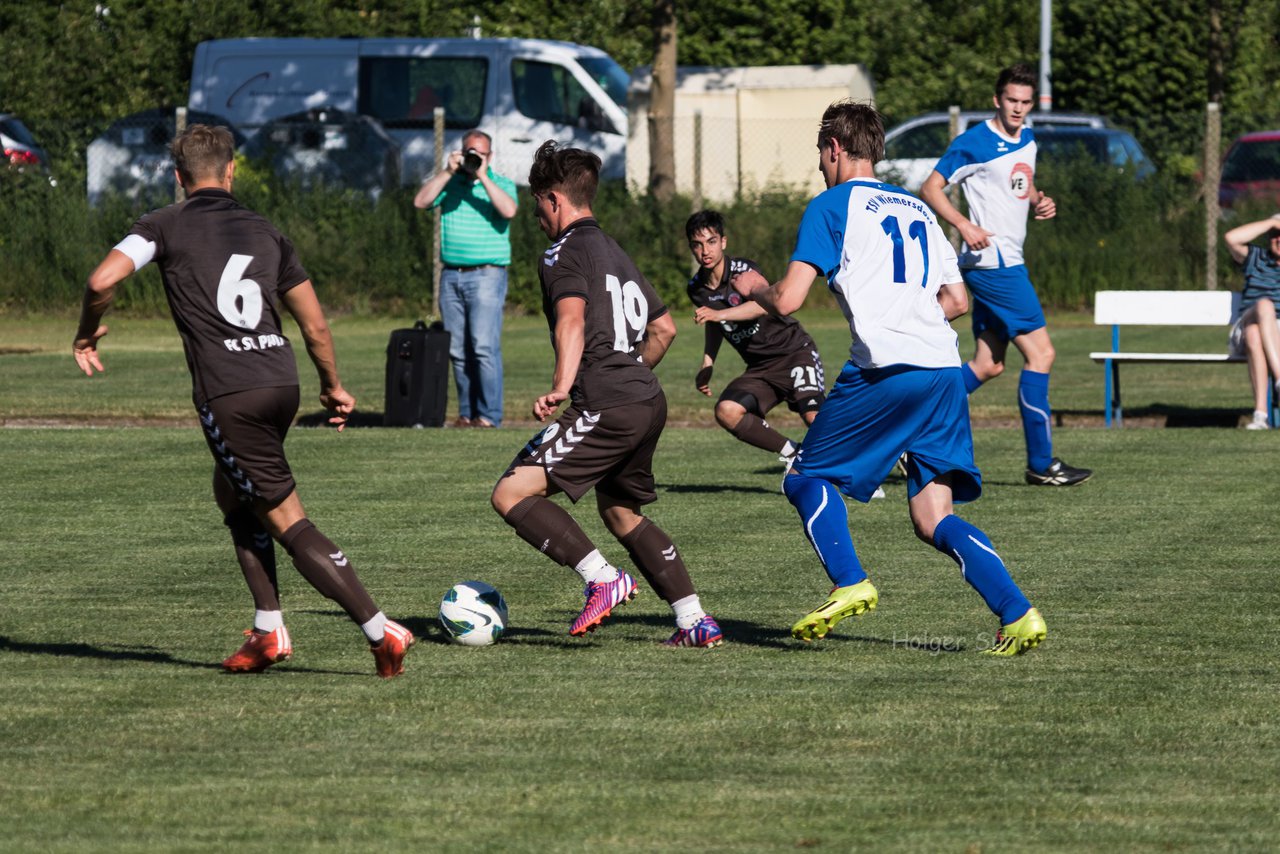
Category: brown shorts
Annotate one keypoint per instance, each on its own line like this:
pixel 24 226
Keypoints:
pixel 797 379
pixel 610 449
pixel 245 431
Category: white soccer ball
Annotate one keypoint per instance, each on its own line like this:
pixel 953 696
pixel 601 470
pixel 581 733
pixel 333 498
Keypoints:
pixel 473 613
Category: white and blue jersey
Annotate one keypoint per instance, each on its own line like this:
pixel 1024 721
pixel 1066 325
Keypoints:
pixel 996 172
pixel 885 257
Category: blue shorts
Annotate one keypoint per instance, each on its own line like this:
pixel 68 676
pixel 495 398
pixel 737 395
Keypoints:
pixel 1004 301
pixel 874 415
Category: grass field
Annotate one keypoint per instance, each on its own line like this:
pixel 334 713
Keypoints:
pixel 1145 723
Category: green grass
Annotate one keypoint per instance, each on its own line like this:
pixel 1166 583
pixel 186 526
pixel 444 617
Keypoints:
pixel 1146 722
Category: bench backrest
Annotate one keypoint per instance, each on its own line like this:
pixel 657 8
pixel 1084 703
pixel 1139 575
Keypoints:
pixel 1165 308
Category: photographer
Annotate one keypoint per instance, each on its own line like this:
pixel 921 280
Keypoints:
pixel 477 205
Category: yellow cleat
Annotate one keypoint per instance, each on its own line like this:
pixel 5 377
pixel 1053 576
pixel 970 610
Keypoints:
pixel 842 602
pixel 1019 636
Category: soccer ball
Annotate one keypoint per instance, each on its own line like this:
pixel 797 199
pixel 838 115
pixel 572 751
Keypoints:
pixel 473 613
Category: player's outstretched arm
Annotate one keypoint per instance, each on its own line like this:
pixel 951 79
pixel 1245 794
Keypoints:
pixel 934 194
pixel 734 314
pixel 570 338
pixel 785 297
pixel 302 303
pixel 1239 238
pixel 712 339
pixel 99 291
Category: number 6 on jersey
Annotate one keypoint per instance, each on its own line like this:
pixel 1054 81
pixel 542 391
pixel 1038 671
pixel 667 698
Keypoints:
pixel 239 299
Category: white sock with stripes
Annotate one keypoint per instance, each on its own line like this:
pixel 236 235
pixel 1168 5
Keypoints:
pixel 594 569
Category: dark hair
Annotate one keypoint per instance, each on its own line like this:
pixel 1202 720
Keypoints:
pixel 1020 74
pixel 704 220
pixel 575 172
pixel 857 127
pixel 202 152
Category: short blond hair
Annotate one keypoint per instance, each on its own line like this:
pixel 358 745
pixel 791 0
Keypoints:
pixel 202 152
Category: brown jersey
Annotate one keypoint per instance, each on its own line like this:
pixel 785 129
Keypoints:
pixel 224 268
pixel 585 262
pixel 757 341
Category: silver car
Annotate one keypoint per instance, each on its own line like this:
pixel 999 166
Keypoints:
pixel 913 148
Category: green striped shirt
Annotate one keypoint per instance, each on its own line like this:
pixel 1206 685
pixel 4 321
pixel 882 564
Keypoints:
pixel 472 232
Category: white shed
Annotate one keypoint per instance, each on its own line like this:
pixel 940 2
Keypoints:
pixel 743 129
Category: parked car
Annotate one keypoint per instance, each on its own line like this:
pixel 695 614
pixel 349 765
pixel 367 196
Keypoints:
pixel 912 149
pixel 329 147
pixel 131 157
pixel 1251 169
pixel 21 153
pixel 1106 146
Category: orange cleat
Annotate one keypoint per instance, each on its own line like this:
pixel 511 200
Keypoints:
pixel 389 655
pixel 260 651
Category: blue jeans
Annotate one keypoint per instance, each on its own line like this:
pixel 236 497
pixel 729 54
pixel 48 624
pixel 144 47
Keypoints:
pixel 471 307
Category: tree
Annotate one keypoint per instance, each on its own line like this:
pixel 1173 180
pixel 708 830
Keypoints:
pixel 662 102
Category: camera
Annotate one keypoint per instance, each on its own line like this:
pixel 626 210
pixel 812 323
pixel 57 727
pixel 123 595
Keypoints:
pixel 471 161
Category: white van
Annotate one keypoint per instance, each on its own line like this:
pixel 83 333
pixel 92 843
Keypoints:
pixel 522 92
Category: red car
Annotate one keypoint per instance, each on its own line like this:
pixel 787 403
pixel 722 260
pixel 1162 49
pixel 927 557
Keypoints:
pixel 1251 169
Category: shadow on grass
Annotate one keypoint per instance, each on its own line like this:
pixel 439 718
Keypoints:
pixel 1158 415
pixel 359 418
pixel 711 488
pixel 146 654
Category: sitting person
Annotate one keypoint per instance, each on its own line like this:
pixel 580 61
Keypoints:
pixel 1255 333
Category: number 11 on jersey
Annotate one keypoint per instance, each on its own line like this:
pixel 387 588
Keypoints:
pixel 916 231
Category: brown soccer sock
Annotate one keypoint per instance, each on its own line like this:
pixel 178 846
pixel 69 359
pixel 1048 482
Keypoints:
pixel 256 553
pixel 327 568
pixel 656 557
pixel 547 527
pixel 754 430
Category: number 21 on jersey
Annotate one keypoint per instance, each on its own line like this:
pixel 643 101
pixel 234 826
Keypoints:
pixel 630 312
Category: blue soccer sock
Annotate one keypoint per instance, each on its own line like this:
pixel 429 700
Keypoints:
pixel 971 381
pixel 1033 401
pixel 826 524
pixel 981 567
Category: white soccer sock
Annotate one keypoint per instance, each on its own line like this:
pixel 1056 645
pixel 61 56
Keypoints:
pixel 788 449
pixel 594 569
pixel 375 628
pixel 688 611
pixel 267 621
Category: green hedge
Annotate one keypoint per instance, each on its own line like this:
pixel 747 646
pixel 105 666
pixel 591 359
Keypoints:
pixel 1111 232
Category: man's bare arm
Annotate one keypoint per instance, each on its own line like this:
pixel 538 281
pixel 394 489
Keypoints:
pixel 658 335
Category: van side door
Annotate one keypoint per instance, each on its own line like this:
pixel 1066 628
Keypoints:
pixel 553 98
pixel 401 86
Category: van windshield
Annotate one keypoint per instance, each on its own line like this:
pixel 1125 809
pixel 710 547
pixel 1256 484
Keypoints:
pixel 404 91
pixel 609 74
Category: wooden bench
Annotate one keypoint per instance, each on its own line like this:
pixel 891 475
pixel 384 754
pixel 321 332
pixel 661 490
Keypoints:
pixel 1158 308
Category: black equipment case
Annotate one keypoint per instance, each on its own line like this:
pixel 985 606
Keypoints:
pixel 417 376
